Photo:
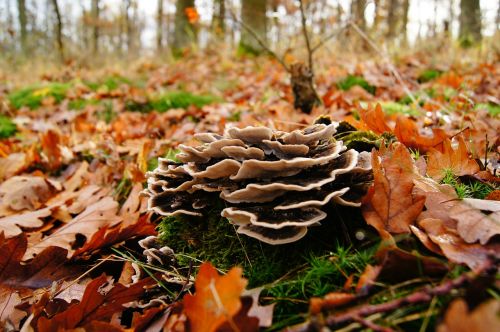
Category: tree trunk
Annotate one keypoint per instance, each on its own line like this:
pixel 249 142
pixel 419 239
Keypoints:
pixel 304 93
pixel 23 22
pixel 159 26
pixel 358 13
pixel 404 23
pixel 219 17
pixel 184 33
pixel 128 26
pixel 95 26
pixel 59 27
pixel 470 20
pixel 253 16
pixel 392 18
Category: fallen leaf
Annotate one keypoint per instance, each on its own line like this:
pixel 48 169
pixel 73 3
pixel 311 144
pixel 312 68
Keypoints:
pixel 330 301
pixel 106 237
pixel 25 192
pixel 216 300
pixel 374 118
pixel 389 205
pixel 11 225
pixel 367 279
pixel 456 161
pixel 50 142
pixel 13 164
pixel 477 219
pixel 94 217
pixel 453 246
pixel 459 318
pixel 407 133
pixel 100 301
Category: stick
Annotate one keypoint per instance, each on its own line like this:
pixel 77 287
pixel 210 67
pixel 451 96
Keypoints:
pixel 306 36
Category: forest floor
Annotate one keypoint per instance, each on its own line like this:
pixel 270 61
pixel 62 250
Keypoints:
pixel 420 253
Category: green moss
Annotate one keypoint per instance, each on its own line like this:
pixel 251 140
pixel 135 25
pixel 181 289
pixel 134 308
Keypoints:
pixel 352 80
pixel 181 99
pixel 245 50
pixel 290 273
pixel 494 110
pixel 7 127
pixel 470 189
pixel 107 114
pixel 109 83
pixel 391 107
pixel 32 96
pixel 79 104
pixel 428 75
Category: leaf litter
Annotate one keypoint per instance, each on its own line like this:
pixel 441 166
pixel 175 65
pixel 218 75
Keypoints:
pixel 71 215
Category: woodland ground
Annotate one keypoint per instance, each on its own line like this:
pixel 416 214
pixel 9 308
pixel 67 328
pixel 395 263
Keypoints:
pixel 75 145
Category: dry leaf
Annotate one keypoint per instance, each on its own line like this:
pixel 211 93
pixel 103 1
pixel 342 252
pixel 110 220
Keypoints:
pixel 216 300
pixel 407 133
pixel 330 301
pixel 100 301
pixel 375 119
pixel 484 318
pixel 25 192
pixel 477 219
pixel 389 205
pixel 94 217
pixel 457 161
pixel 10 225
pixel 50 142
pixel 453 246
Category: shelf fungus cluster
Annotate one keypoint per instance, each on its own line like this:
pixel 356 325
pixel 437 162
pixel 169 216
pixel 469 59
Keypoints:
pixel 274 184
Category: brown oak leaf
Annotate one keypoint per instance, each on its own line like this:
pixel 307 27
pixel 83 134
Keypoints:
pixel 390 206
pixel 407 132
pixel 457 161
pixel 374 118
pixel 459 318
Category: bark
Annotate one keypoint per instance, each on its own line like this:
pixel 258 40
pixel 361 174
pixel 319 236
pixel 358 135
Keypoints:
pixel 59 27
pixel 184 33
pixel 95 26
pixel 23 22
pixel 304 93
pixel 358 13
pixel 219 15
pixel 392 18
pixel 159 26
pixel 253 15
pixel 404 23
pixel 470 20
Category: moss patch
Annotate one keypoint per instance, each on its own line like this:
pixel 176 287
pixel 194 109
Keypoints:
pixel 181 99
pixel 33 96
pixel 494 110
pixel 428 75
pixel 7 127
pixel 290 273
pixel 352 80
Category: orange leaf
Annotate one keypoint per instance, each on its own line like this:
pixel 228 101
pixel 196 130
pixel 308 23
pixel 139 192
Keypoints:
pixel 407 133
pixel 389 205
pixel 375 119
pixel 330 301
pixel 50 142
pixel 217 298
pixel 457 161
pixel 459 318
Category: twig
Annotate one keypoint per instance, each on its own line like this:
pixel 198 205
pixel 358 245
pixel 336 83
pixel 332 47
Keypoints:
pixel 423 296
pixel 327 38
pixel 306 36
pixel 372 325
pixel 259 41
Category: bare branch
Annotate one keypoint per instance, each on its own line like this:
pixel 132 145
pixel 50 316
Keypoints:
pixel 260 41
pixel 306 36
pixel 328 37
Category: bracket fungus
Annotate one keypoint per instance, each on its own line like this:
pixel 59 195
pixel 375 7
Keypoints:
pixel 274 184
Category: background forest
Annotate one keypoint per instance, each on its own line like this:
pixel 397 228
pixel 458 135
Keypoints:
pixel 249 165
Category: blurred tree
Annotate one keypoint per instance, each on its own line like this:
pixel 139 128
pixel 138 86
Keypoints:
pixel 470 21
pixel 23 22
pixel 59 37
pixel 159 25
pixel 219 17
pixel 358 13
pixel 184 33
pixel 128 25
pixel 404 23
pixel 95 25
pixel 253 16
pixel 392 18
